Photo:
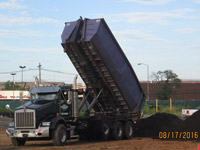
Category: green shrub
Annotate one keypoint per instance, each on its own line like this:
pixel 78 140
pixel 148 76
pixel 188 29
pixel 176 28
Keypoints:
pixel 148 110
pixel 3 110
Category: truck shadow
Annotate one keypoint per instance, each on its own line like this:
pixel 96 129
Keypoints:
pixel 68 143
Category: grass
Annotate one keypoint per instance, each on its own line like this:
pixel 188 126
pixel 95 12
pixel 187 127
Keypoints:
pixel 3 110
pixel 176 110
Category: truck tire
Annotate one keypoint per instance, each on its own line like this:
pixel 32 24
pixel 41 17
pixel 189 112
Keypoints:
pixel 18 141
pixel 128 130
pixel 104 130
pixel 59 135
pixel 117 132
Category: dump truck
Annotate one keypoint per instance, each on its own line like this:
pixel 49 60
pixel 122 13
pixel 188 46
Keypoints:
pixel 111 103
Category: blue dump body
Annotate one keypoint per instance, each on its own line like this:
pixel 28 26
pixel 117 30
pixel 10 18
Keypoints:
pixel 101 63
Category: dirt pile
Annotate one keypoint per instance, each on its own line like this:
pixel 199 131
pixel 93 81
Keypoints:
pixel 163 122
pixel 192 123
pixel 160 122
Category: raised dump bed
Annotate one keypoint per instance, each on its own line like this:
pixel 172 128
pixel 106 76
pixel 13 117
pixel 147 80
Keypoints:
pixel 102 65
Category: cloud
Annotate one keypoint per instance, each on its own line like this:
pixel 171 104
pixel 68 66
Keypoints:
pixel 25 33
pixel 180 48
pixel 16 14
pixel 55 9
pixel 14 34
pixel 163 18
pixel 150 2
pixel 52 50
pixel 17 49
pixel 184 10
pixel 135 35
pixel 24 20
pixel 11 5
pixel 4 60
pixel 193 47
pixel 196 1
pixel 186 30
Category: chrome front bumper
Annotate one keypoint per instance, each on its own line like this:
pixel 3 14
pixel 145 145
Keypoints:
pixel 28 133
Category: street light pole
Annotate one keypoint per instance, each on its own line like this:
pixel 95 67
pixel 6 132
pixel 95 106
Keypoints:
pixel 13 74
pixel 22 67
pixel 40 73
pixel 147 78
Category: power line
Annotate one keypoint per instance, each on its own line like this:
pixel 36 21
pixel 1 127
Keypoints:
pixel 9 72
pixel 58 72
pixel 30 69
pixel 16 71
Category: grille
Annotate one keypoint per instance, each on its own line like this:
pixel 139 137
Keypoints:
pixel 25 119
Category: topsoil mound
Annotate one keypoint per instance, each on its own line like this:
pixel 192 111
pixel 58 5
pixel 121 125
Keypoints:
pixel 163 122
pixel 160 122
pixel 192 123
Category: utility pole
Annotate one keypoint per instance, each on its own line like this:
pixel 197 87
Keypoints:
pixel 148 97
pixel 39 73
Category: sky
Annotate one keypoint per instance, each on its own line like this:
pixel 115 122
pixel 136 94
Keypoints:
pixel 164 34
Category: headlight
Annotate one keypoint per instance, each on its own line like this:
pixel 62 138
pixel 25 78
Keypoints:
pixel 11 124
pixel 46 124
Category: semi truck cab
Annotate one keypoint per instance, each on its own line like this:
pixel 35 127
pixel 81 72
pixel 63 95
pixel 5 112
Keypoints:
pixel 45 116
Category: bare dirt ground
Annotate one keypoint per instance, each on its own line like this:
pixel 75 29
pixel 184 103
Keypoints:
pixel 133 144
pixel 146 129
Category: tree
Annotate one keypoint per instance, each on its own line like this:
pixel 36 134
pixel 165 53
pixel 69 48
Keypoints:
pixel 167 82
pixel 9 86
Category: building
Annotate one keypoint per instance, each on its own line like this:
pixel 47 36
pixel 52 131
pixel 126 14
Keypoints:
pixel 24 94
pixel 32 84
pixel 14 95
pixel 187 91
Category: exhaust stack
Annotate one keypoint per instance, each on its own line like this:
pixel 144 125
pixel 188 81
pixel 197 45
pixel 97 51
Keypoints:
pixel 75 98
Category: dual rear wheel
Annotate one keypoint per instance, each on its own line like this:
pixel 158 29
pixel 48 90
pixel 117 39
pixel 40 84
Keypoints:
pixel 105 130
pixel 128 130
pixel 118 132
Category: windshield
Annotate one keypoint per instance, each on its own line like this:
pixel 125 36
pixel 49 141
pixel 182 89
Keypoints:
pixel 43 96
